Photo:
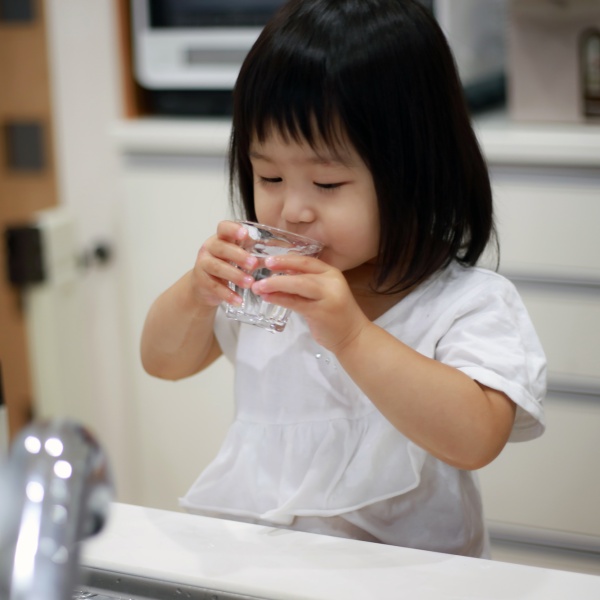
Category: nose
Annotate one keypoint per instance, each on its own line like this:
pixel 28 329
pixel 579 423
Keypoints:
pixel 297 208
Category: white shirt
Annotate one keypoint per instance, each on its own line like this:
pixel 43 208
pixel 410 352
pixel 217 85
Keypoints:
pixel 308 450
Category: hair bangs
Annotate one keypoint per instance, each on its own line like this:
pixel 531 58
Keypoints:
pixel 289 89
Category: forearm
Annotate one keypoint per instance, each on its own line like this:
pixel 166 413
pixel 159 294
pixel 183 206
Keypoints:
pixel 178 339
pixel 438 407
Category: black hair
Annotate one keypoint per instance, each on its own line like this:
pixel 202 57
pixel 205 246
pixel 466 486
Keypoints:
pixel 380 74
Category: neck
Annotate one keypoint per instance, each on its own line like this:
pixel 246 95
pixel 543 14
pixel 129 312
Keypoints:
pixel 371 302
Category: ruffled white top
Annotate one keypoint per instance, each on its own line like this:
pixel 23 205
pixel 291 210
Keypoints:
pixel 307 446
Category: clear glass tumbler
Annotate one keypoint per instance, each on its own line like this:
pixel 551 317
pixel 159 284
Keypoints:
pixel 264 241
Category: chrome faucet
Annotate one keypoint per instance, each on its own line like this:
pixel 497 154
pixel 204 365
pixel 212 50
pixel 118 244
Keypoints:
pixel 55 491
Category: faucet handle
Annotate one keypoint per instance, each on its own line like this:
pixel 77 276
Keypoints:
pixel 58 487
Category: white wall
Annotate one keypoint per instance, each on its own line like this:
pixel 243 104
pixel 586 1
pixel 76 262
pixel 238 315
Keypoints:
pixel 158 435
pixel 170 206
pixel 84 65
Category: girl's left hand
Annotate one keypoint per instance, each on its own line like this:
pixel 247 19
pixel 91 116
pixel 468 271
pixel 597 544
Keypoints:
pixel 320 293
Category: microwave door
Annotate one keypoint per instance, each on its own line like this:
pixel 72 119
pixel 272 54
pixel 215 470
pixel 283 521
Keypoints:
pixel 194 44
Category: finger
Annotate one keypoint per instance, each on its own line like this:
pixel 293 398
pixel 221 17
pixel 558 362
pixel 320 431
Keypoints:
pixel 296 263
pixel 226 250
pixel 212 281
pixel 226 270
pixel 301 285
pixel 233 234
pixel 219 294
pixel 231 231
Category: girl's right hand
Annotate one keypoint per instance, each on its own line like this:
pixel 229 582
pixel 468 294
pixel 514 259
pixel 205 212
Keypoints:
pixel 178 338
pixel 217 264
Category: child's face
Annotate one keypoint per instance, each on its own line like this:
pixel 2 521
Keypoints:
pixel 327 196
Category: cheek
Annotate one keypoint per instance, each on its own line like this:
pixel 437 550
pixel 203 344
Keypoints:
pixel 366 243
pixel 356 243
pixel 262 208
pixel 365 226
pixel 265 215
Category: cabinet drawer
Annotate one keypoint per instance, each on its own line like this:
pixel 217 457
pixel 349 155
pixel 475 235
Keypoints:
pixel 548 221
pixel 553 482
pixel 567 320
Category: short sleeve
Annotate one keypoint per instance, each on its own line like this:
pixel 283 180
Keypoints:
pixel 227 332
pixel 492 340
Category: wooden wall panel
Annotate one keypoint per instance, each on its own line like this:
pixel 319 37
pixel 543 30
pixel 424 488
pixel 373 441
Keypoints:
pixel 25 97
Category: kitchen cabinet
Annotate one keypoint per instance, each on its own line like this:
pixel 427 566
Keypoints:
pixel 546 182
pixel 547 197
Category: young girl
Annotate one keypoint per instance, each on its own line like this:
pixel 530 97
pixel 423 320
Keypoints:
pixel 404 367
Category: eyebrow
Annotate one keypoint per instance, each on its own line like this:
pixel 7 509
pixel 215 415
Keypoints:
pixel 316 160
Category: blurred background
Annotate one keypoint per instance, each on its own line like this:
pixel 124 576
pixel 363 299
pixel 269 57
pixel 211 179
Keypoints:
pixel 114 125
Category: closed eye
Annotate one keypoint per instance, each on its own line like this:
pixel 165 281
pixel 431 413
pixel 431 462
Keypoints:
pixel 328 186
pixel 270 179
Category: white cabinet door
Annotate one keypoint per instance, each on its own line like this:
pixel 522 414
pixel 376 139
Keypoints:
pixel 552 483
pixel 170 206
pixel 548 221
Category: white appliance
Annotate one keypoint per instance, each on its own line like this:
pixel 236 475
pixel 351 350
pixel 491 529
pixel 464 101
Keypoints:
pixel 195 44
pixel 187 53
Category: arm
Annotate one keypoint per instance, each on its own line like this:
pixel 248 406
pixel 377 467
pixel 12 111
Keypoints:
pixel 178 339
pixel 440 408
pixel 437 406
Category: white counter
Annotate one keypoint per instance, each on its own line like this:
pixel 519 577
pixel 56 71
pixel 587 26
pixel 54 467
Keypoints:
pixel 274 563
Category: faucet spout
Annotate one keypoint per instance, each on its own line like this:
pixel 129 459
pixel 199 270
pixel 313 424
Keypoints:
pixel 55 491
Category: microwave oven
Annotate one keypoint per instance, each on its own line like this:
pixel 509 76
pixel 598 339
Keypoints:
pixel 187 53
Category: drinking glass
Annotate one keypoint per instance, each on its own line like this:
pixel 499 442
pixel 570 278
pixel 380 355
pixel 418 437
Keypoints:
pixel 263 241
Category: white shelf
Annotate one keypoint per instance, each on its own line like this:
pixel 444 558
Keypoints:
pixel 172 136
pixel 503 141
pixel 543 144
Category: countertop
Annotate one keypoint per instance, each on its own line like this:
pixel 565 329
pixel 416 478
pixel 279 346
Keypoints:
pixel 503 141
pixel 275 563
